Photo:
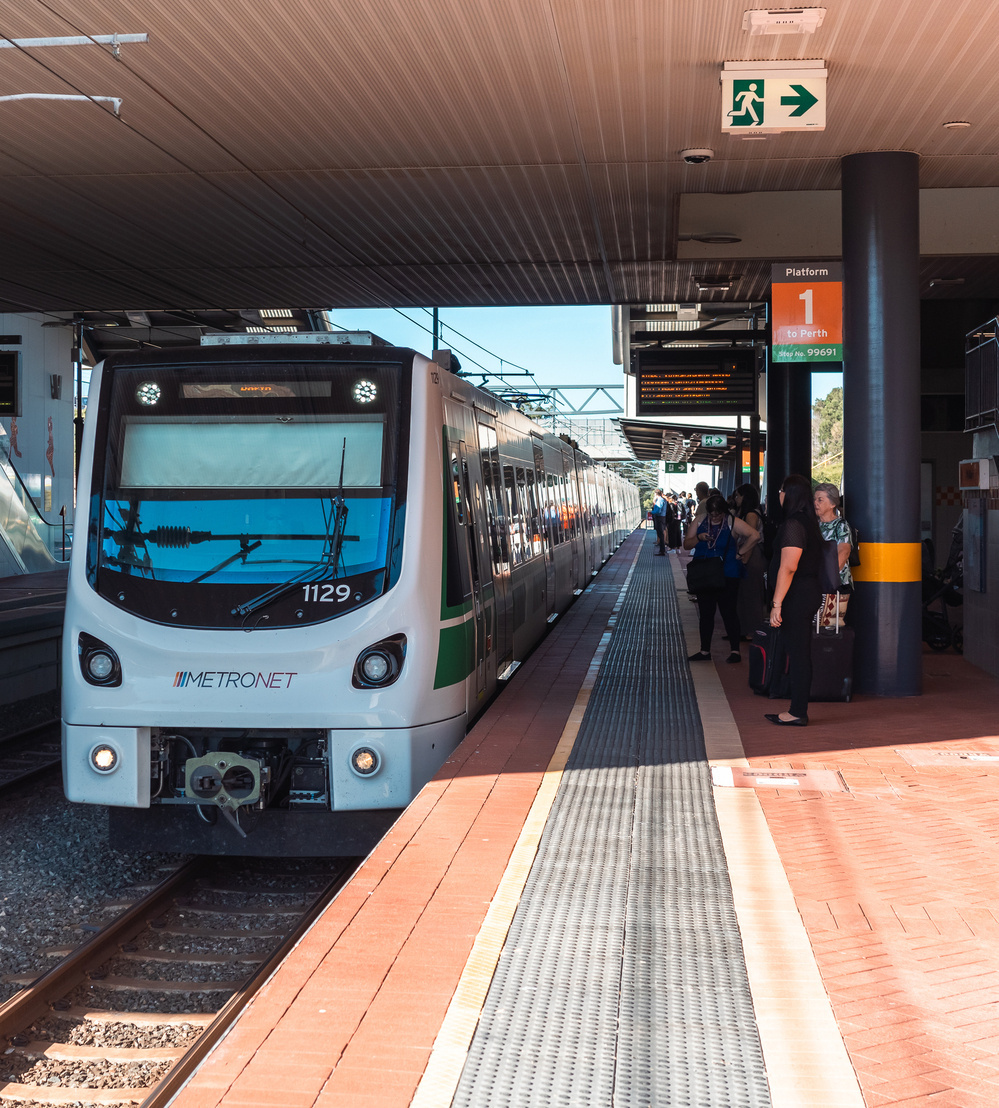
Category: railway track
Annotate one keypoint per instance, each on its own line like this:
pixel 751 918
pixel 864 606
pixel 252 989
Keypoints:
pixel 127 1016
pixel 28 753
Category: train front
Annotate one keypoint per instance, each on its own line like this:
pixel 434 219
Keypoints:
pixel 236 676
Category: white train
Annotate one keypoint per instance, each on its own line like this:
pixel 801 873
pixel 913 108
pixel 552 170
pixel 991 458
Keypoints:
pixel 300 571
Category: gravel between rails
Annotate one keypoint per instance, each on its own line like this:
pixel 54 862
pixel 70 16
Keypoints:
pixel 56 873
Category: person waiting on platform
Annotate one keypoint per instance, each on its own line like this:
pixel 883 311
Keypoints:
pixel 722 537
pixel 834 526
pixel 660 511
pixel 674 532
pixel 794 569
pixel 752 591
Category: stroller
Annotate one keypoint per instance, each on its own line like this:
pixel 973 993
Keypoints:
pixel 942 591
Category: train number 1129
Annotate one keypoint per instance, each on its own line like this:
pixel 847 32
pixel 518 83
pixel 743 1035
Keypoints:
pixel 327 594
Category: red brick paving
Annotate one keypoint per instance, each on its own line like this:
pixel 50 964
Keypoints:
pixel 351 1017
pixel 896 882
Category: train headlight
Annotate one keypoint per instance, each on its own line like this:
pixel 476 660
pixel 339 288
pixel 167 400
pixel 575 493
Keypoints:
pixel 104 758
pixel 365 762
pixel 148 393
pixel 380 664
pixel 99 664
pixel 375 666
pixel 365 391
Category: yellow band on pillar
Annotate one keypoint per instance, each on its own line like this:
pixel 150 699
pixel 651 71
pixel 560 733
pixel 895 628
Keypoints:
pixel 889 561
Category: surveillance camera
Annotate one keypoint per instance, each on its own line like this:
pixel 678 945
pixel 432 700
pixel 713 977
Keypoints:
pixel 697 157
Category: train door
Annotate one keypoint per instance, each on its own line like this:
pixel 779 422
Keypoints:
pixel 468 541
pixel 544 526
pixel 572 506
pixel 499 545
pixel 476 547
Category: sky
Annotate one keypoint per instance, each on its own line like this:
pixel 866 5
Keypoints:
pixel 560 346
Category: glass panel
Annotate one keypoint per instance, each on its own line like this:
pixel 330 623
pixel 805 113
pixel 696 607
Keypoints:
pixel 174 454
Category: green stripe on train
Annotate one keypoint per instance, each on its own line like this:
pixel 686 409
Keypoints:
pixel 455 654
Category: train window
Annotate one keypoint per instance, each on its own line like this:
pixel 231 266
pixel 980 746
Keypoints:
pixel 524 523
pixel 534 517
pixel 173 453
pixel 512 515
pixel 555 507
pixel 457 490
pixel 492 480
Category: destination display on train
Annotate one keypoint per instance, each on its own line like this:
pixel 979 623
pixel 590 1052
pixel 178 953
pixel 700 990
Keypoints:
pixel 722 386
pixel 254 390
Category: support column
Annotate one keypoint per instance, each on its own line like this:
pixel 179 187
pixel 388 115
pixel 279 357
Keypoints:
pixel 776 455
pixel 881 388
pixel 798 458
pixel 789 426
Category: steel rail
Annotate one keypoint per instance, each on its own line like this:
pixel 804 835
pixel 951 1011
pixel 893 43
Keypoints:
pixel 163 1093
pixel 33 1002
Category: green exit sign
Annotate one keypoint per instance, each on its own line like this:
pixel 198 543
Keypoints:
pixel 674 467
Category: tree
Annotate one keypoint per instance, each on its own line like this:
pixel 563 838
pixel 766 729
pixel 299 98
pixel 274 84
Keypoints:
pixel 827 438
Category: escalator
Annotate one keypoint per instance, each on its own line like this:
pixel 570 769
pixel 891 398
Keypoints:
pixel 33 575
pixel 28 543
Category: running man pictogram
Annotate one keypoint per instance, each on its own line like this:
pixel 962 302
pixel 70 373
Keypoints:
pixel 747 104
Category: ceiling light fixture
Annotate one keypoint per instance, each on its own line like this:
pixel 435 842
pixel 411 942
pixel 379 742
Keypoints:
pixel 711 238
pixel 956 124
pixel 783 21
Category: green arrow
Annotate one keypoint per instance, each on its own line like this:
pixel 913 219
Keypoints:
pixel 804 100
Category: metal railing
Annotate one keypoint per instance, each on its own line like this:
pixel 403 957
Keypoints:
pixel 981 377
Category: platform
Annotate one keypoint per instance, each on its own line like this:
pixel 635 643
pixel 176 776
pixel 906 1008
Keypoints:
pixel 626 887
pixel 31 614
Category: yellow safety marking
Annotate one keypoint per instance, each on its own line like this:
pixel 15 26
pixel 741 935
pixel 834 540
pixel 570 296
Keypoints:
pixel 447 1060
pixel 889 561
pixel 806 1060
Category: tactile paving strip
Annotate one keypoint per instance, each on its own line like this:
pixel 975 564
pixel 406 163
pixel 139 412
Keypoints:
pixel 622 981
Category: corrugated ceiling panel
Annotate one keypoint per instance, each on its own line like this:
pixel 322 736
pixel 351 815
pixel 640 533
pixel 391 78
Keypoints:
pixel 357 84
pixel 516 214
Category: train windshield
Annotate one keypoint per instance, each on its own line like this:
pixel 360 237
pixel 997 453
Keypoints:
pixel 247 495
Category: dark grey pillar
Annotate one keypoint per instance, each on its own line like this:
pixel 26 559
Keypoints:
pixel 776 455
pixel 881 388
pixel 799 419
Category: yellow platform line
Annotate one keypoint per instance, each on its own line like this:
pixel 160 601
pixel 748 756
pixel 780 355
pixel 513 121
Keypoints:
pixel 447 1060
pixel 804 1054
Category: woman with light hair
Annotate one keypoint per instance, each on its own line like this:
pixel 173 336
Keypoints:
pixel 834 526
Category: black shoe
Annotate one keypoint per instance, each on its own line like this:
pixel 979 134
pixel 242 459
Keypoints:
pixel 700 656
pixel 659 554
pixel 802 721
pixel 735 656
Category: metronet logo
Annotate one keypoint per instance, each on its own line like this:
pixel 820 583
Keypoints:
pixel 223 679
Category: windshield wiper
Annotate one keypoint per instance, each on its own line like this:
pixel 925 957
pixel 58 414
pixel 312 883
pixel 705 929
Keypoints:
pixel 324 570
pixel 244 549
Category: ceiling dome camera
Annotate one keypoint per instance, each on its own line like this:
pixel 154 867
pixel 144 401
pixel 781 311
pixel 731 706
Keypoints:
pixel 697 157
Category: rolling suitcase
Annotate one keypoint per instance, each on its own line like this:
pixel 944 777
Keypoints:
pixel 832 662
pixel 768 666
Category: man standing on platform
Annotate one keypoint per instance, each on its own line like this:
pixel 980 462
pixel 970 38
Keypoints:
pixel 659 510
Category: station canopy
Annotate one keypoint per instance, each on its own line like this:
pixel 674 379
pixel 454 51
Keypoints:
pixel 463 152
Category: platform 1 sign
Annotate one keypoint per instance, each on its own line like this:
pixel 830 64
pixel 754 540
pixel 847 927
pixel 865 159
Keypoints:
pixel 769 98
pixel 807 311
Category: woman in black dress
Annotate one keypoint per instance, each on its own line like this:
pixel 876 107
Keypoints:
pixel 793 576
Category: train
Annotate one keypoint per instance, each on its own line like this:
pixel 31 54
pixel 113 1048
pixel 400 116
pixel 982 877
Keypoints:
pixel 302 568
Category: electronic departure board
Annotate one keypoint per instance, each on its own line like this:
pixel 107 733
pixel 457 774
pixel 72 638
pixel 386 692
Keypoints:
pixel 10 400
pixel 690 381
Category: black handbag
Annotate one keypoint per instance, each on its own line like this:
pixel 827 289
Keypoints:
pixel 706 575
